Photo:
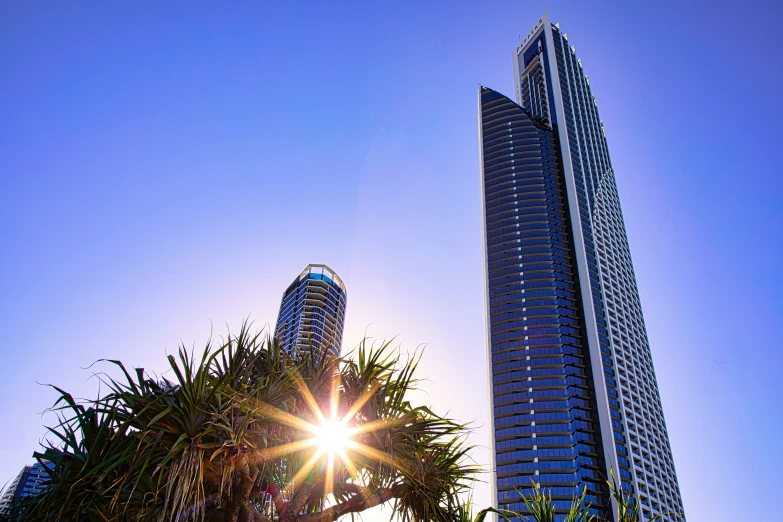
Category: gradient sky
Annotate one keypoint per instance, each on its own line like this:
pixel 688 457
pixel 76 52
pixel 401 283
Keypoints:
pixel 169 170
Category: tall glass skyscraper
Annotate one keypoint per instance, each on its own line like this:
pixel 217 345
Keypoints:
pixel 312 312
pixel 573 389
pixel 28 483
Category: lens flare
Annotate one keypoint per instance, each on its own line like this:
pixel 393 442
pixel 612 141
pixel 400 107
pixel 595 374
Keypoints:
pixel 332 436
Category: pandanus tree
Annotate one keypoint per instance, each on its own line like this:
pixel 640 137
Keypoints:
pixel 541 508
pixel 246 433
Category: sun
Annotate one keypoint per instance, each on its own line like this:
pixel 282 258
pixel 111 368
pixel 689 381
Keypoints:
pixel 332 436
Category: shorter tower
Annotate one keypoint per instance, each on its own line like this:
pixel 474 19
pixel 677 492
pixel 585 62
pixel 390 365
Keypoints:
pixel 28 483
pixel 312 312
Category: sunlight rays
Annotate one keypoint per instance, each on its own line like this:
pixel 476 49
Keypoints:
pixel 332 435
pixel 332 442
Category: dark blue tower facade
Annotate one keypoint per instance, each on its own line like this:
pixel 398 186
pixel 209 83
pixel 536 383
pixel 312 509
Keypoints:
pixel 573 388
pixel 544 409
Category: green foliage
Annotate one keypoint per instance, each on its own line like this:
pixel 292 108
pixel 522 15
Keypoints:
pixel 540 505
pixel 542 509
pixel 625 503
pixel 579 510
pixel 465 514
pixel 225 438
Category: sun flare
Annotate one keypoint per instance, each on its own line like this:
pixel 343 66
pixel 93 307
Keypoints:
pixel 332 436
pixel 335 436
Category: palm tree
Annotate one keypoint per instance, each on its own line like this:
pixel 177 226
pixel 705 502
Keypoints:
pixel 542 509
pixel 465 513
pixel 250 433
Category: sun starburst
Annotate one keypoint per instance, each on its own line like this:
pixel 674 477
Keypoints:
pixel 334 435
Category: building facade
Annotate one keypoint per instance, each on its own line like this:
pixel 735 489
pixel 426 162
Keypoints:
pixel 28 483
pixel 312 312
pixel 573 389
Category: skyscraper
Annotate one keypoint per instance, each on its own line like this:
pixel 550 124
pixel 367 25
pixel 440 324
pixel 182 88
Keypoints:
pixel 312 312
pixel 572 384
pixel 29 482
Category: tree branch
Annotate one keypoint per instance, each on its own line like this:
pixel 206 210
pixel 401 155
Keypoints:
pixel 360 502
pixel 300 498
pixel 248 513
pixel 350 486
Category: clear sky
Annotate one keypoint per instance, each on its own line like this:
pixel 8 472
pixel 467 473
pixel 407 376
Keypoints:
pixel 164 169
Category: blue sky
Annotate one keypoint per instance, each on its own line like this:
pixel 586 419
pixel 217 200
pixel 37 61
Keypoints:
pixel 166 170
